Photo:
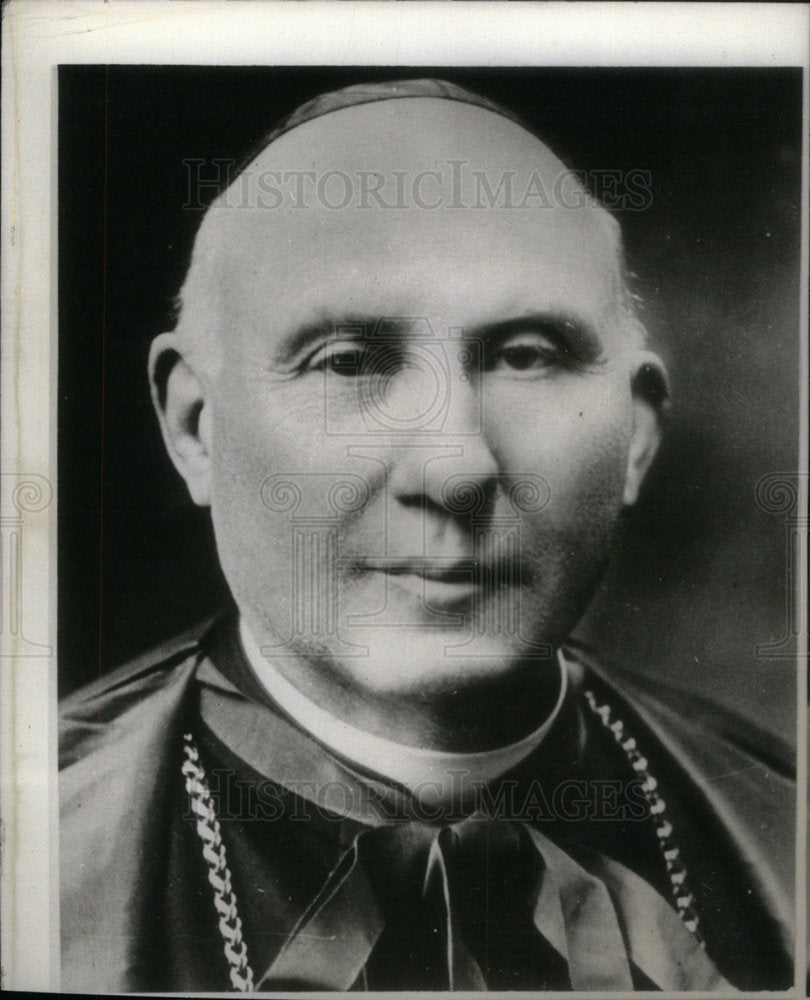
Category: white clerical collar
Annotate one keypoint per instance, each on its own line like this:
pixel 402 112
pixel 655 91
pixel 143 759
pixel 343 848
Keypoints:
pixel 431 775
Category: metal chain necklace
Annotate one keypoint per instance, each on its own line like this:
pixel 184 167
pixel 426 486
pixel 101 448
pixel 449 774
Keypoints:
pixel 219 874
pixel 678 878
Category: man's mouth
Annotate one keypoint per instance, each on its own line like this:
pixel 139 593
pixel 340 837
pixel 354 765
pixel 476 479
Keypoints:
pixel 447 581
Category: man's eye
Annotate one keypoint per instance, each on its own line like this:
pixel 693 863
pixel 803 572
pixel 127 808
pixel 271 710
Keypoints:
pixel 352 359
pixel 524 354
pixel 341 357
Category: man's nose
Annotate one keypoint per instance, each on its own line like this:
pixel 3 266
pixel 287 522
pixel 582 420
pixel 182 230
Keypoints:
pixel 454 468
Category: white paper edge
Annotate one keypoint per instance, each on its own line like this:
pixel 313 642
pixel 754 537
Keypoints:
pixel 40 34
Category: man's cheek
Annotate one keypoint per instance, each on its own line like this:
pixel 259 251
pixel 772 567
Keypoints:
pixel 247 450
pixel 572 536
pixel 588 469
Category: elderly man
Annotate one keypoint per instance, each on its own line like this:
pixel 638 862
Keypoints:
pixel 408 381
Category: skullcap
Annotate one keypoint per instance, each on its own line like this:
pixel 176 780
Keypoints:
pixel 370 93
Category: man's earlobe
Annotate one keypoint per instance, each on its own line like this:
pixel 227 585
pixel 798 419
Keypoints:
pixel 182 408
pixel 650 398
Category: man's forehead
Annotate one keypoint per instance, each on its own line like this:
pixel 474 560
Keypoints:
pixel 379 204
pixel 401 166
pixel 405 134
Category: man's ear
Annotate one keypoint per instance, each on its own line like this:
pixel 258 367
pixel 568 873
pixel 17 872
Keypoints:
pixel 184 412
pixel 650 388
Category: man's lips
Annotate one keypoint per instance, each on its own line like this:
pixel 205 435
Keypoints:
pixel 446 580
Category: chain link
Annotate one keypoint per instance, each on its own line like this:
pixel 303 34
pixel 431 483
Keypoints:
pixel 676 870
pixel 219 874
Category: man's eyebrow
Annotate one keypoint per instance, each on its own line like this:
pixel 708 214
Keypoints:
pixel 324 327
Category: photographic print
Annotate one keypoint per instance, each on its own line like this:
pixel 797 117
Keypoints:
pixel 427 502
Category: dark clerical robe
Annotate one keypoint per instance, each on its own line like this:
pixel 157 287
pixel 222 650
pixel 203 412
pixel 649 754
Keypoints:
pixel 647 843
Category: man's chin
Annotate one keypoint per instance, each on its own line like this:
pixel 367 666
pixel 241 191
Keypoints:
pixel 421 663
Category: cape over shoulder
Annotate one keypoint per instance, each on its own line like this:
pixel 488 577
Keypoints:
pixel 119 743
pixel 743 776
pixel 88 716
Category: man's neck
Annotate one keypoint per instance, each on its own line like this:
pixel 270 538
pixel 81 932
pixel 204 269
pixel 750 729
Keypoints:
pixel 410 762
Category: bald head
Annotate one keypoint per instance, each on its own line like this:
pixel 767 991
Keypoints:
pixel 391 181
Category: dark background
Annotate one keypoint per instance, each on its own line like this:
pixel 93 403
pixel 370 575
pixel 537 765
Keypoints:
pixel 700 574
